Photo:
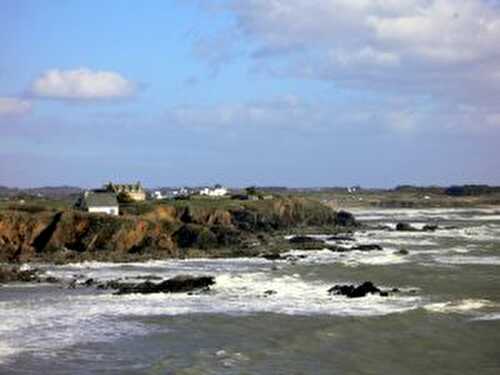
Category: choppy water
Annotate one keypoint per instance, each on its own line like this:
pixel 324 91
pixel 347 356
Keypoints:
pixel 445 321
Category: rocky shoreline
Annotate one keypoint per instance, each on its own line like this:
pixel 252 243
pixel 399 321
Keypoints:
pixel 165 232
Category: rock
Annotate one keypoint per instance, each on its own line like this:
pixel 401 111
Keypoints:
pixel 402 252
pixel 15 274
pixel 340 238
pixel 271 256
pixel 178 284
pixel 352 291
pixel 144 277
pixel 270 293
pixel 367 247
pixel 52 280
pixel 305 240
pixel 430 228
pixel 345 219
pixel 405 227
pixel 89 282
pixel 339 249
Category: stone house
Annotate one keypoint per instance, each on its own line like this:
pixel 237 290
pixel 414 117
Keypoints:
pixel 99 202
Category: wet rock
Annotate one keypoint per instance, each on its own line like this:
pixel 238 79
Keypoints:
pixel 340 238
pixel 271 256
pixel 270 293
pixel 178 284
pixel 52 280
pixel 15 274
pixel 144 277
pixel 367 247
pixel 305 240
pixel 345 219
pixel 352 291
pixel 89 282
pixel 402 252
pixel 405 227
pixel 430 228
pixel 112 284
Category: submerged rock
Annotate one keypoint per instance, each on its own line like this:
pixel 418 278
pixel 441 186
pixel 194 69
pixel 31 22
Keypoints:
pixel 430 228
pixel 341 238
pixel 352 291
pixel 402 252
pixel 405 227
pixel 367 247
pixel 178 284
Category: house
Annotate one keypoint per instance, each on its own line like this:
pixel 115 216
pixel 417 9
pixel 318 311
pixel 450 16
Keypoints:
pixel 158 195
pixel 99 202
pixel 134 192
pixel 216 191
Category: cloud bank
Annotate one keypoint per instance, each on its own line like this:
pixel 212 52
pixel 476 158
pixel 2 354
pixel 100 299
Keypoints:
pixel 81 84
pixel 446 49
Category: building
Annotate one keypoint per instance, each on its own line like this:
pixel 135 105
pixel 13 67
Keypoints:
pixel 134 192
pixel 99 202
pixel 216 191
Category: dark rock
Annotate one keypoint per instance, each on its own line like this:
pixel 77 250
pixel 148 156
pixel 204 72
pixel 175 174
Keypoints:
pixel 271 256
pixel 89 282
pixel 178 284
pixel 405 227
pixel 270 292
pixel 305 239
pixel 144 277
pixel 14 274
pixel 430 228
pixel 340 238
pixel 339 249
pixel 368 247
pixel 402 252
pixel 52 280
pixel 352 291
pixel 345 219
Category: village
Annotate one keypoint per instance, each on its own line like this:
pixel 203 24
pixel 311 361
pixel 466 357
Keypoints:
pixel 109 198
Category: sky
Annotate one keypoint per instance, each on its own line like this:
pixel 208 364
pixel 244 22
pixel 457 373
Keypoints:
pixel 374 93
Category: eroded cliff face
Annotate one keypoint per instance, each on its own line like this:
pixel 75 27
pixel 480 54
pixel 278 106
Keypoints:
pixel 166 231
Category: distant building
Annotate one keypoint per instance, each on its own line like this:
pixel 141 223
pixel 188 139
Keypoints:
pixel 98 202
pixel 134 192
pixel 216 191
pixel 158 195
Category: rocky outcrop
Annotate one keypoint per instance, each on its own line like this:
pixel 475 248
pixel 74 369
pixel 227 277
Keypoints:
pixel 352 291
pixel 163 230
pixel 178 284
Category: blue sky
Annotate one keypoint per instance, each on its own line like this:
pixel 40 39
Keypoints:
pixel 240 92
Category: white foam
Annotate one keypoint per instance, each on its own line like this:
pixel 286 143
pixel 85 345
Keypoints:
pixel 461 306
pixel 455 214
pixel 50 323
pixel 488 317
pixel 352 258
pixel 462 259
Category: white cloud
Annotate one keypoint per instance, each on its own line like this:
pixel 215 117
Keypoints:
pixel 14 107
pixel 81 84
pixel 444 48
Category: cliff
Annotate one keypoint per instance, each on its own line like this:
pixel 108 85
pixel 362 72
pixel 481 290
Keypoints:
pixel 163 231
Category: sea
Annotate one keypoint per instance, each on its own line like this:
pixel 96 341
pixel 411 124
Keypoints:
pixel 277 317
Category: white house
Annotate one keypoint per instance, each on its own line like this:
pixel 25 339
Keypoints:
pixel 217 191
pixel 99 202
pixel 158 195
